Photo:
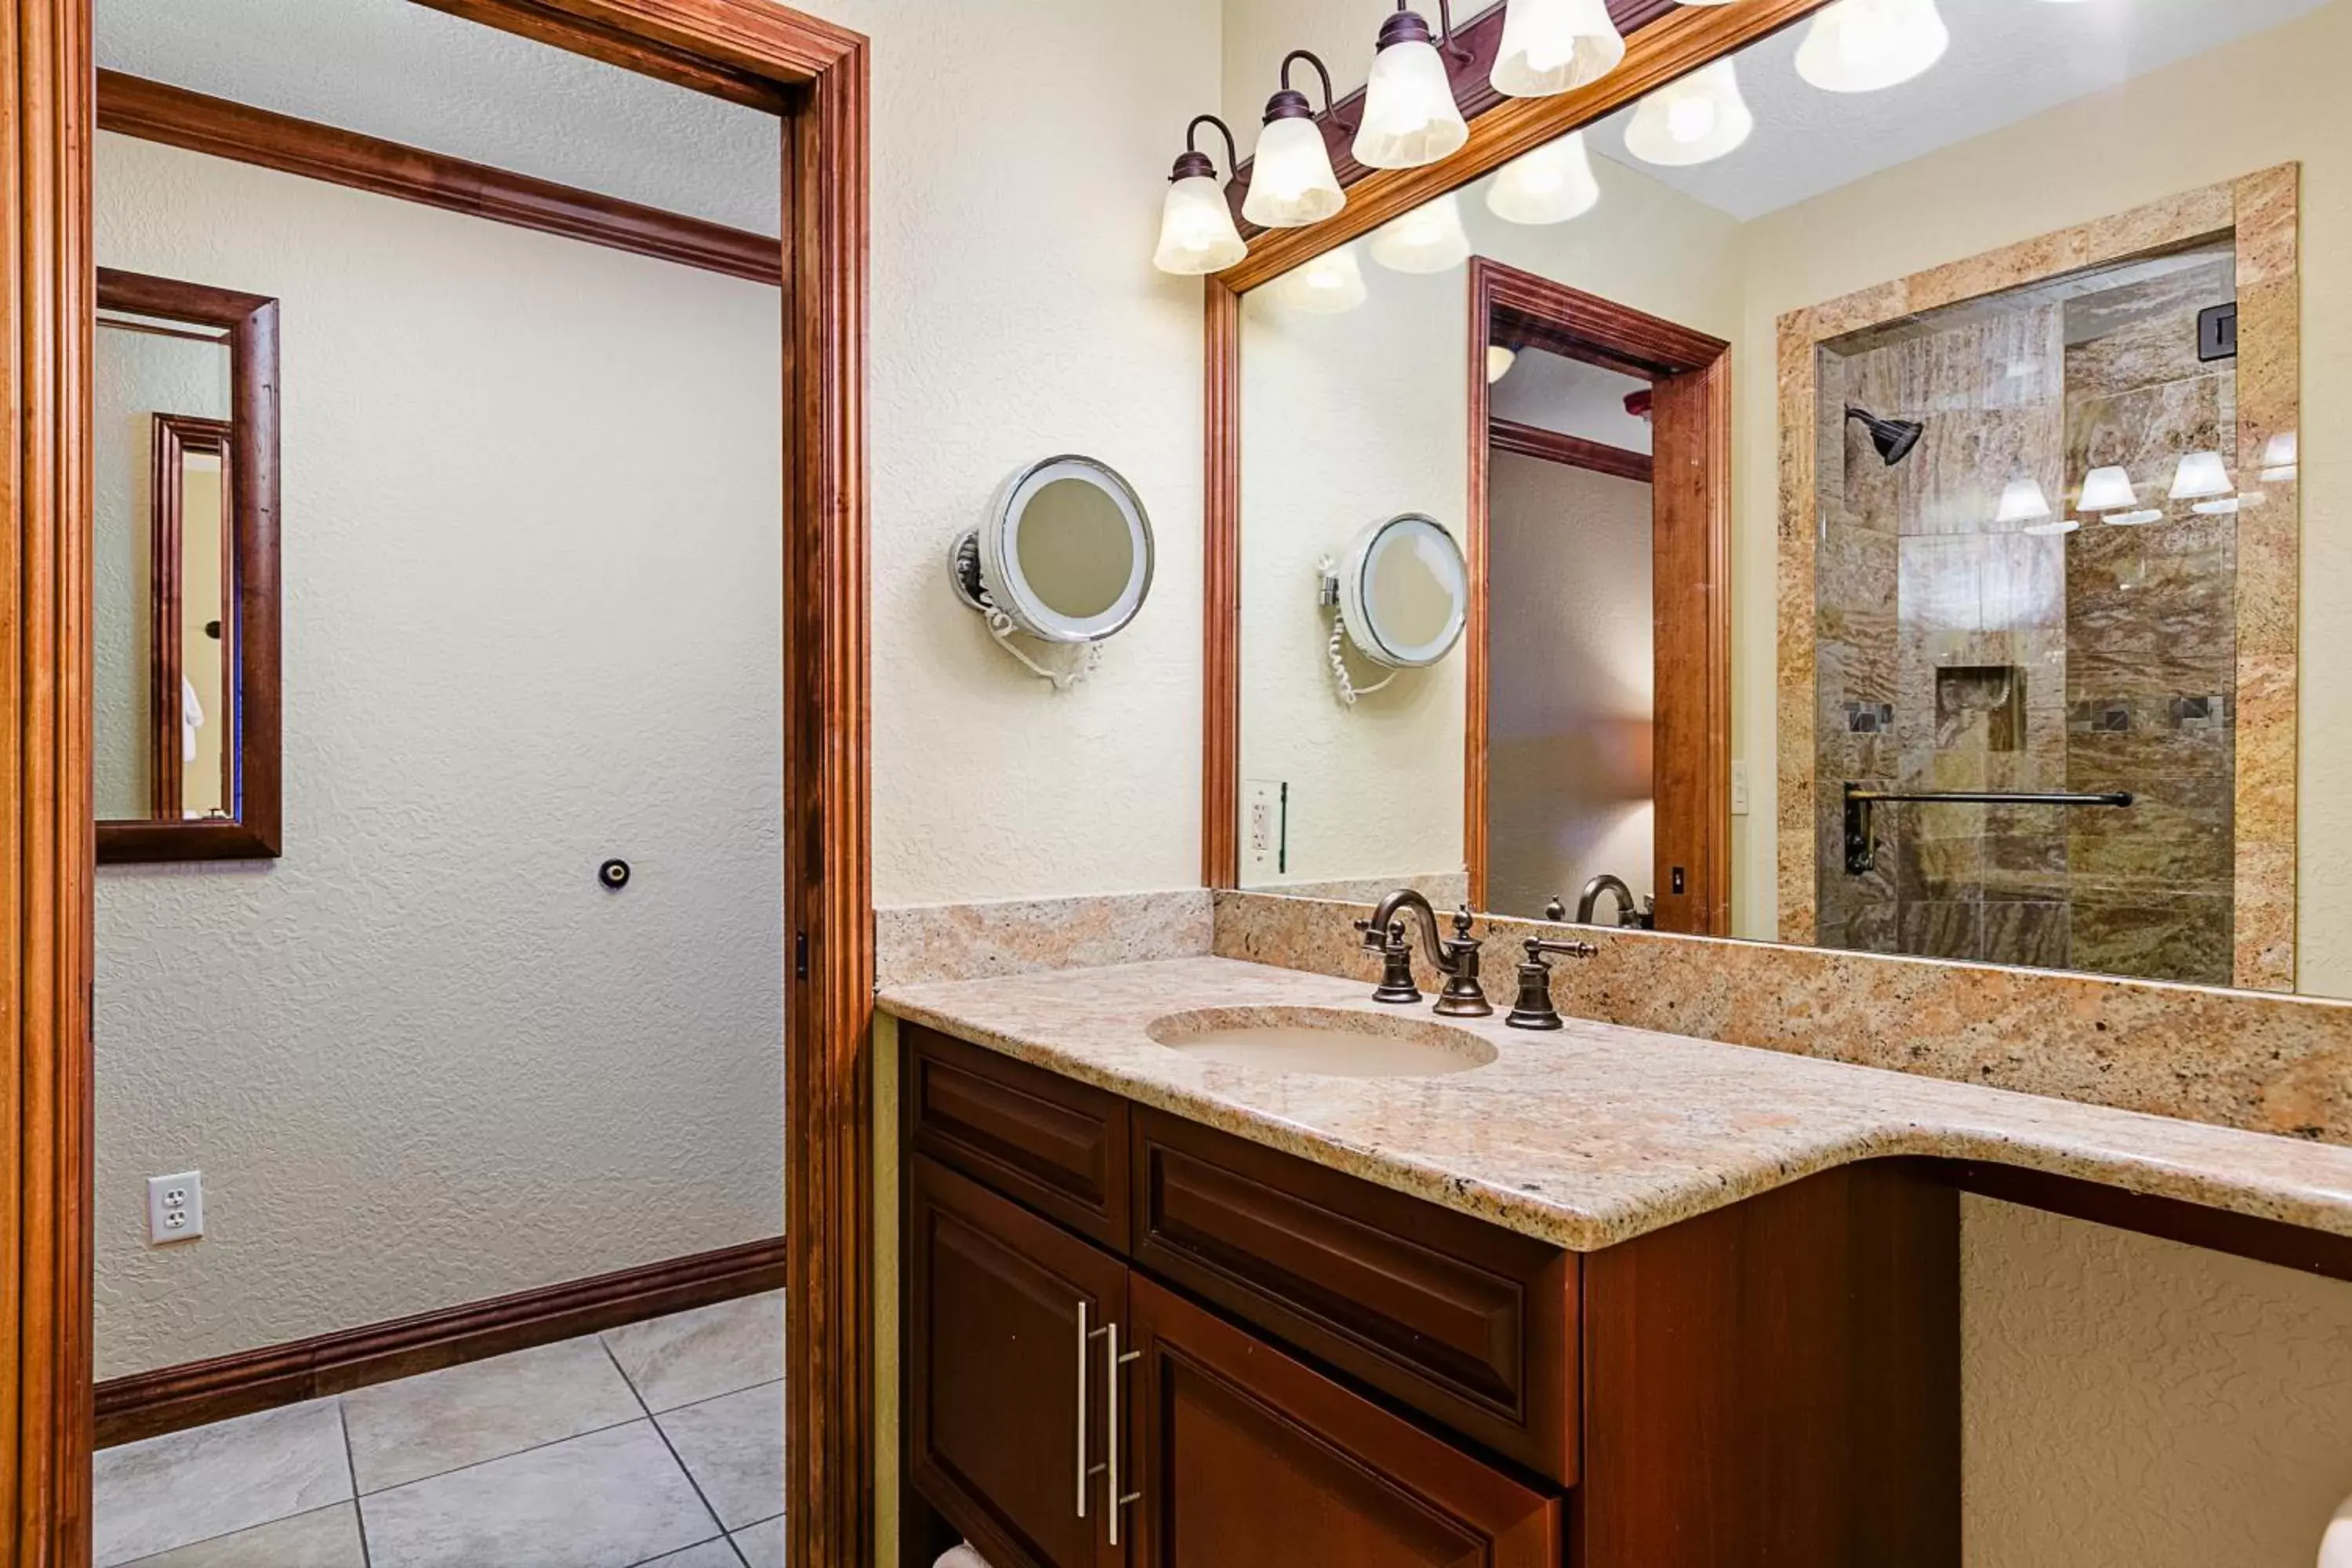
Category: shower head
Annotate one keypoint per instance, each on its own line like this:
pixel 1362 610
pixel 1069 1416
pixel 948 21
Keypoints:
pixel 1892 438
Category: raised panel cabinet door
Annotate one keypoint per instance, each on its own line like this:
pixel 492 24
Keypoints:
pixel 1004 1346
pixel 1244 1456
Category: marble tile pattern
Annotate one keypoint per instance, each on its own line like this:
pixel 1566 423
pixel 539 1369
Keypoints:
pixel 550 1457
pixel 2257 1061
pixel 1597 1133
pixel 914 943
pixel 2262 211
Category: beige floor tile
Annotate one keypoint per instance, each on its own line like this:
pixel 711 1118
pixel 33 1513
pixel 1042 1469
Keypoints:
pixel 420 1426
pixel 733 1446
pixel 608 1500
pixel 328 1538
pixel 698 1355
pixel 188 1486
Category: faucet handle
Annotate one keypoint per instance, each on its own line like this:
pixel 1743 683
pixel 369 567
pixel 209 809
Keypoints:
pixel 1535 1008
pixel 1397 985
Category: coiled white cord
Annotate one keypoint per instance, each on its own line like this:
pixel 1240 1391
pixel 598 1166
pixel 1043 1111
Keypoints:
pixel 1349 689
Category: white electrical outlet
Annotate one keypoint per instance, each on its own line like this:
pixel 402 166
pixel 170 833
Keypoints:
pixel 175 1207
pixel 1739 789
pixel 1264 803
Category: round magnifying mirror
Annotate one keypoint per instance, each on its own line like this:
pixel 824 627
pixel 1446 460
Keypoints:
pixel 1065 553
pixel 1404 591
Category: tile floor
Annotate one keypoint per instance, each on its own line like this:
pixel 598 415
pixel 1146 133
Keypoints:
pixel 659 1444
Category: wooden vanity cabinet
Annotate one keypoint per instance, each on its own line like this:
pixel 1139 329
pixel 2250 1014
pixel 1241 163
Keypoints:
pixel 1314 1372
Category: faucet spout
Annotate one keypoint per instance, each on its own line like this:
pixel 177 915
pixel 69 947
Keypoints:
pixel 1589 903
pixel 1376 929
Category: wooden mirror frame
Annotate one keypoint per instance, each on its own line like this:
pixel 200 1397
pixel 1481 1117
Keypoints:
pixel 1660 49
pixel 251 754
pixel 815 77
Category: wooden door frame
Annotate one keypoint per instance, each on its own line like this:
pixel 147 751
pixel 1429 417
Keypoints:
pixel 1669 45
pixel 1691 595
pixel 815 76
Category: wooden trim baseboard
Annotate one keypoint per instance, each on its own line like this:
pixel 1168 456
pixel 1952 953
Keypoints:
pixel 156 111
pixel 174 1398
pixel 1575 451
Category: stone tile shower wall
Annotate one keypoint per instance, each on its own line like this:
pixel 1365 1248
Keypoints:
pixel 1958 652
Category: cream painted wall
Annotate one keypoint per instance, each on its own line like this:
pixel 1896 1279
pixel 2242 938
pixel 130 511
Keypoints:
pixel 2270 99
pixel 530 558
pixel 1020 148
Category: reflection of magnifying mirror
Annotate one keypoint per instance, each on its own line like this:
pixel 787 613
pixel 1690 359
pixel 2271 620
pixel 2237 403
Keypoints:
pixel 1065 553
pixel 1404 591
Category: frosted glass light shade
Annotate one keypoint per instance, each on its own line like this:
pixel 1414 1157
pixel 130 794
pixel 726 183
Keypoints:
pixel 2282 457
pixel 1554 46
pixel 1430 238
pixel 1197 234
pixel 2052 527
pixel 2200 476
pixel 1409 118
pixel 1292 184
pixel 1864 45
pixel 1330 285
pixel 1694 120
pixel 1551 184
pixel 2022 500
pixel 1499 361
pixel 2139 519
pixel 2109 489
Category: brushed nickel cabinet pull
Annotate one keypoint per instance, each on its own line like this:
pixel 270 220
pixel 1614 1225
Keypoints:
pixel 1083 1340
pixel 1113 1362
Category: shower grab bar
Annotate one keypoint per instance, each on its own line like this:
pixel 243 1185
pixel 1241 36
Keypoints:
pixel 1861 847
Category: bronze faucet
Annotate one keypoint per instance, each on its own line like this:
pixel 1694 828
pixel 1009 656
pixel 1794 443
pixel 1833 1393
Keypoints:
pixel 1456 957
pixel 1535 1008
pixel 1630 914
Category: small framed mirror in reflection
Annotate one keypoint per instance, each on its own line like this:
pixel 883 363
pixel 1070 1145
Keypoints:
pixel 184 545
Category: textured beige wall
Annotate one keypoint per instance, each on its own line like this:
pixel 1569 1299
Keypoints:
pixel 2131 1403
pixel 530 555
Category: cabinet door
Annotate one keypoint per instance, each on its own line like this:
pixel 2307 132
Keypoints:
pixel 1244 1456
pixel 1004 1399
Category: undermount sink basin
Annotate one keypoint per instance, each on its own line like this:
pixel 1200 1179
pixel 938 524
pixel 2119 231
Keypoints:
pixel 1322 1040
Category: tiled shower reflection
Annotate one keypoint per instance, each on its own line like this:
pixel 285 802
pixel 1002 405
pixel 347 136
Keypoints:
pixel 2037 597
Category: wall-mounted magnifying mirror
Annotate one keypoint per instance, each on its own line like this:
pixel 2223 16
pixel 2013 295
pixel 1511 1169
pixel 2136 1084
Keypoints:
pixel 1066 554
pixel 1403 591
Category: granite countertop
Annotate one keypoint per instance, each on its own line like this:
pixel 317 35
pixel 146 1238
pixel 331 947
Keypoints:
pixel 1597 1133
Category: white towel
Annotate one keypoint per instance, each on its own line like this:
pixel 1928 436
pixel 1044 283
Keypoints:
pixel 965 1557
pixel 2335 1547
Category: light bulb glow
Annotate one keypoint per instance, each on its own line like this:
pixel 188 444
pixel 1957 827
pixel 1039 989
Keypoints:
pixel 1865 46
pixel 1555 46
pixel 1551 184
pixel 2109 489
pixel 1197 234
pixel 1409 118
pixel 1430 238
pixel 1292 182
pixel 1499 361
pixel 1330 285
pixel 1696 120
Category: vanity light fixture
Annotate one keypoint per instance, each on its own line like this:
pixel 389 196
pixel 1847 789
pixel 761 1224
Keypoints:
pixel 1410 116
pixel 1332 284
pixel 1197 233
pixel 1864 45
pixel 1555 46
pixel 1696 120
pixel 1551 184
pixel 1292 182
pixel 2109 489
pixel 2022 500
pixel 2200 476
pixel 2282 458
pixel 1500 358
pixel 1430 238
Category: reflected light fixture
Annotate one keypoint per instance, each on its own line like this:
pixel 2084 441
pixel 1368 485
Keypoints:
pixel 1551 184
pixel 2134 518
pixel 1292 182
pixel 2201 476
pixel 1197 233
pixel 2022 500
pixel 2109 489
pixel 1410 116
pixel 2282 458
pixel 1696 120
pixel 1430 238
pixel 1330 285
pixel 1555 46
pixel 2051 527
pixel 1499 361
pixel 1864 45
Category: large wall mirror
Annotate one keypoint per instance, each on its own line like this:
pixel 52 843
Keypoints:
pixel 1893 504
pixel 185 541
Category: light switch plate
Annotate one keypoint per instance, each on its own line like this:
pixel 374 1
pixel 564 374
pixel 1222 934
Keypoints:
pixel 1739 789
pixel 1265 809
pixel 175 1207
